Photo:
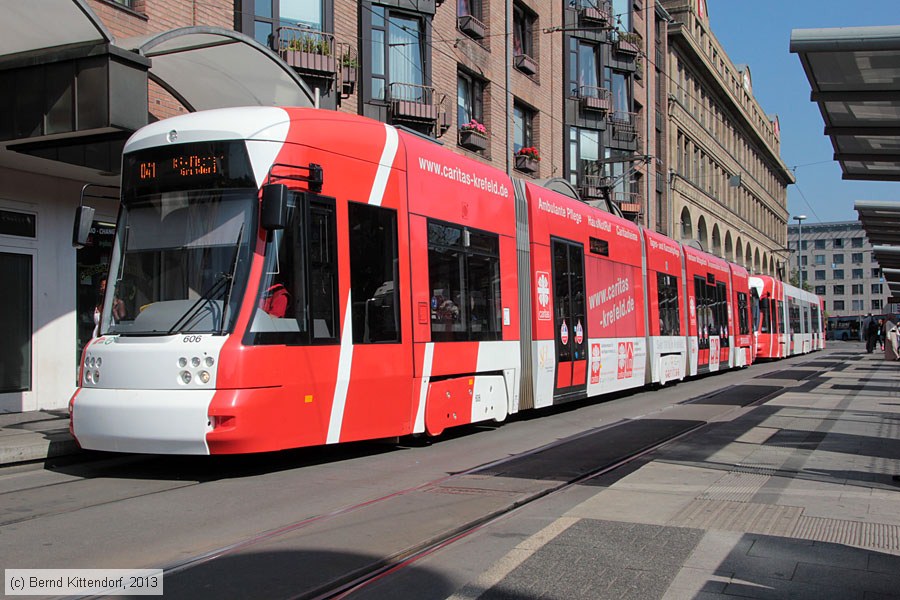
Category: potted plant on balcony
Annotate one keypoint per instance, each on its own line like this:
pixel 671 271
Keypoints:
pixel 310 53
pixel 527 159
pixel 473 135
pixel 349 68
pixel 629 42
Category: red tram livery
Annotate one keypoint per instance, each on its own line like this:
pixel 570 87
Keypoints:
pixel 295 277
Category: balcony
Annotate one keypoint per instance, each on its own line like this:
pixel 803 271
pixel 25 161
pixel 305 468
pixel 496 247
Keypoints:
pixel 471 26
pixel 595 99
pixel 629 43
pixel 593 187
pixel 349 63
pixel 629 203
pixel 525 63
pixel 594 12
pixel 624 126
pixel 413 103
pixel 308 51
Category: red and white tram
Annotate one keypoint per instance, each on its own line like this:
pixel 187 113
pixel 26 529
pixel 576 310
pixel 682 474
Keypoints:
pixel 787 320
pixel 295 277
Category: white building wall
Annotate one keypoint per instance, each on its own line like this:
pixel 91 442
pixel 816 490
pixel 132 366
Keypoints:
pixel 53 362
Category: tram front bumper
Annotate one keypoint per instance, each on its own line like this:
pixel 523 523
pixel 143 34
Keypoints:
pixel 143 421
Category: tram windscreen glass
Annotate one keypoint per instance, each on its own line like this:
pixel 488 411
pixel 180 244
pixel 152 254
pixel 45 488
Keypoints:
pixel 179 167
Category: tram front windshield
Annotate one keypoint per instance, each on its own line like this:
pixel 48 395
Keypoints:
pixel 183 240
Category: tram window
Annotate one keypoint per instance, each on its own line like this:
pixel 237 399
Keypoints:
pixel 743 321
pixel 464 281
pixel 374 269
pixel 704 313
pixel 722 313
pixel 780 314
pixel 667 296
pixel 298 301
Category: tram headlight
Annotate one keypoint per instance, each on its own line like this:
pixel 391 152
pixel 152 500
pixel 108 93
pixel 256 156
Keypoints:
pixel 210 361
pixel 203 376
pixel 99 362
pixel 96 376
pixel 88 376
pixel 186 376
pixel 182 362
pixel 195 362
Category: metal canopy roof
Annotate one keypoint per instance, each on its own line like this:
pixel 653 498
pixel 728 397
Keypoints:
pixel 30 26
pixel 854 73
pixel 211 67
pixel 881 220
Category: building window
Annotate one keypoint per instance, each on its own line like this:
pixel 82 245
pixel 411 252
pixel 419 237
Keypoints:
pixel 820 275
pixel 838 290
pixel 876 273
pixel 622 14
pixel 523 127
pixel 469 99
pixel 857 305
pixel 857 273
pixel 856 289
pixel 584 69
pixel 617 82
pixel 584 154
pixel 804 261
pixel 16 303
pixel 876 288
pixel 397 55
pixel 838 305
pixel 857 242
pixel 469 18
pixel 819 259
pixel 837 259
pixel 261 18
pixel 838 274
pixel 876 304
pixel 838 242
pixel 523 31
pixel 856 258
pixel 464 278
pixel 374 275
pixel 820 290
pixel 819 244
pixel 804 244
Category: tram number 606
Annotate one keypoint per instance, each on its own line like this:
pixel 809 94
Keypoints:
pixel 192 339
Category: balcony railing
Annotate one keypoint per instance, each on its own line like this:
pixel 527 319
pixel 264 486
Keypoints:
pixel 593 12
pixel 593 187
pixel 630 203
pixel 594 98
pixel 412 102
pixel 308 51
pixel 629 42
pixel 625 125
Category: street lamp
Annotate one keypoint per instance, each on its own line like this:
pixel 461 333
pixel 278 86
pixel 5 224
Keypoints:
pixel 799 219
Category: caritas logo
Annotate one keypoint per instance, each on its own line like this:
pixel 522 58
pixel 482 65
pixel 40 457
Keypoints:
pixel 542 280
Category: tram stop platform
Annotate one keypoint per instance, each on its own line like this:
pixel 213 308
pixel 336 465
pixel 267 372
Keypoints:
pixel 34 436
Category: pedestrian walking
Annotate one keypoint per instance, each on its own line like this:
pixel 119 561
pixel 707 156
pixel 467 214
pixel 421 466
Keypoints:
pixel 871 335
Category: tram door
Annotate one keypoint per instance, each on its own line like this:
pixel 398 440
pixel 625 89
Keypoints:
pixel 569 320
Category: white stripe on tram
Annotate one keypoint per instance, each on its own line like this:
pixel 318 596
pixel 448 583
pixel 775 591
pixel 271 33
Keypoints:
pixel 391 142
pixel 343 378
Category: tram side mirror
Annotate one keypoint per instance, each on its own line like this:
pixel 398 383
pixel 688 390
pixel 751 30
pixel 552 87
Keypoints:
pixel 274 206
pixel 84 218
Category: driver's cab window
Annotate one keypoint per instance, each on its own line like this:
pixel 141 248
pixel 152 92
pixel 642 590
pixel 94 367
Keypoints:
pixel 298 295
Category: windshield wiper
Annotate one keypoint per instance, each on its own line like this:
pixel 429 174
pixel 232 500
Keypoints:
pixel 207 297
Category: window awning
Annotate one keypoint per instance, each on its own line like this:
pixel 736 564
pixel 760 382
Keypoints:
pixel 211 67
pixel 854 73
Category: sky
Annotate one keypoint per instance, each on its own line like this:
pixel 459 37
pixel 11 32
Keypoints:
pixel 758 33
